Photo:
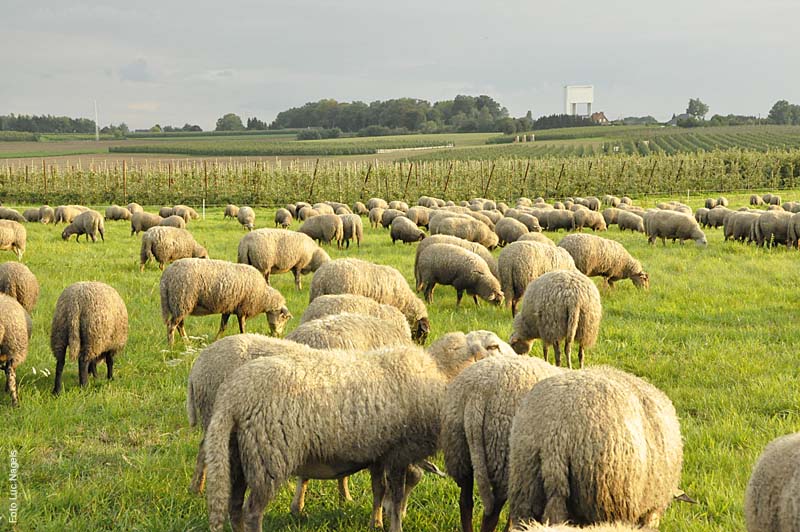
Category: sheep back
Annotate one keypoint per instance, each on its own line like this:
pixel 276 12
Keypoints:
pixel 772 498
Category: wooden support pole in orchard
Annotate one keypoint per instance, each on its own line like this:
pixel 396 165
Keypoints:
pixel 560 175
pixel 447 179
pixel 525 178
pixel 124 180
pixel 44 175
pixel 405 190
pixel 488 181
pixel 313 180
pixel 652 171
pixel 366 178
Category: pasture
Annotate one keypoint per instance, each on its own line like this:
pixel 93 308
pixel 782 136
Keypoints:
pixel 716 332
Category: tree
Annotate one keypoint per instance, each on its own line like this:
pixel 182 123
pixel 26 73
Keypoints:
pixel 781 113
pixel 230 122
pixel 697 108
pixel 155 129
pixel 255 123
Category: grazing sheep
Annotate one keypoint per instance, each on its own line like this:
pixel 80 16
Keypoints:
pixel 10 214
pixel 630 221
pixel 739 226
pixel 142 221
pixel 324 228
pixel 323 208
pixel 523 261
pixel 283 218
pixel 200 287
pixel 32 215
pixel 594 255
pixel 185 212
pixel 14 335
pixel 305 212
pixel 625 200
pixel 390 214
pixel 722 201
pixel 399 205
pixel 772 228
pixel 447 264
pixel 674 225
pixel 793 231
pixel 285 435
pixel 351 332
pixel 17 281
pixel 756 200
pixel 509 230
pixel 115 212
pixel 536 237
pixel 772 499
pixel 602 527
pixel 352 229
pixel 716 216
pixel 164 212
pixel 610 200
pixel 247 217
pixel 419 215
pixel 556 220
pixel 775 200
pixel 168 244
pixel 710 203
pixel 133 208
pixel 375 216
pixel 88 223
pixel 476 423
pixel 231 211
pixel 610 215
pixel 377 202
pixel 330 305
pixel 92 321
pixel 46 214
pixel 562 305
pixel 280 251
pixel 588 218
pixel 13 237
pixel 466 228
pixel 496 216
pixel 67 213
pixel 405 231
pixel 701 215
pixel 594 446
pixel 529 221
pixel 384 284
pixel 791 206
pixel 474 247
pixel 174 221
pixel 360 209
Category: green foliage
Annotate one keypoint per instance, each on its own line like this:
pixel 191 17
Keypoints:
pixel 784 113
pixel 230 122
pixel 18 136
pixel 562 120
pixel 156 129
pixel 318 134
pixel 697 108
pixel 256 124
pixel 46 124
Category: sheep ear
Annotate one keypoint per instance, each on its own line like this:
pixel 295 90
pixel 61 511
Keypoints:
pixel 285 312
pixel 681 495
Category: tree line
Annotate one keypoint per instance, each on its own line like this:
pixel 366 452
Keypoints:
pixel 45 124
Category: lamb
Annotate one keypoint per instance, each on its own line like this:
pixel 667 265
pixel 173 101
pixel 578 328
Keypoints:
pixel 772 228
pixel 389 436
pixel 375 215
pixel 247 217
pixel 588 218
pixel 283 218
pixel 466 228
pixel 231 211
pixel 522 262
pixel 174 221
pixel 351 332
pixel 199 287
pixel 168 244
pixel 331 305
pixel 88 223
pixel 18 282
pixel 562 305
pixel 92 321
pixel 13 237
pixel 11 214
pixel 115 212
pixel 384 284
pixel 772 499
pixel 476 422
pixel 614 454
pixel 280 251
pixel 134 208
pixel 447 264
pixel 556 220
pixel 324 228
pixel 377 202
pixel 509 230
pixel 142 221
pixel 674 225
pixel 474 247
pixel 352 229
pixel 594 255
pixel 15 333
pixel 739 226
pixel 405 231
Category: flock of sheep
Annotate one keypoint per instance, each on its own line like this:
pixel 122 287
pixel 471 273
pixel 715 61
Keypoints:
pixel 349 390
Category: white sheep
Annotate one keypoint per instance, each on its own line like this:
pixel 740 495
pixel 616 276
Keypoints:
pixel 772 499
pixel 523 261
pixel 594 255
pixel 447 264
pixel 280 251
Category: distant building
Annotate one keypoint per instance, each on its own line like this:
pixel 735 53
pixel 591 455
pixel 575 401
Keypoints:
pixel 575 95
pixel 599 118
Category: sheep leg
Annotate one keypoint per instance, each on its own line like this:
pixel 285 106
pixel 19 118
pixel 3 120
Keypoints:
pixel 378 492
pixel 544 350
pixel 238 488
pixel 459 295
pixel 428 288
pixel 299 500
pixel 513 307
pixel 222 324
pixel 344 491
pixel 413 477
pixel 171 325
pixel 93 368
pixel 558 354
pixel 297 279
pixel 475 299
pixel 242 320
pixel 199 476
pixel 465 503
pixel 396 480
pixel 83 371
pixel 568 352
pixel 94 239
pixel 110 366
pixel 182 329
pixel 11 384
pixel 580 355
pixel 59 371
pixel 489 521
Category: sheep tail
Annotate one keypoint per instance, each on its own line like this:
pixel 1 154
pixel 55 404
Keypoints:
pixel 74 337
pixel 573 319
pixel 477 446
pixel 243 255
pixel 191 407
pixel 165 310
pixel 217 443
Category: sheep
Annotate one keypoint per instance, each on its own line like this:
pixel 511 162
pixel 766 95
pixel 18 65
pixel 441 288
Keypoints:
pixel 447 264
pixel 630 221
pixel 17 281
pixel 722 201
pixel 772 498
pixel 88 223
pixel 674 225
pixel 375 215
pixel 133 208
pixel 91 320
pixel 474 247
pixel 611 201
pixel 324 228
pixel 32 215
pixel 185 212
pixel 775 200
pixel 610 215
pixel 384 284
pixel 710 203
pixel 247 217
pixel 509 230
pixel 701 215
pixel 419 215
pixel 756 200
pixel 67 213
pixel 388 437
pixel 15 333
pixel 716 216
pixel 352 229
pixel 625 200
pixel 613 454
pixel 476 422
pixel 13 237
pixel 173 221
pixel 793 232
pixel 559 305
pixel 305 212
pixel 283 218
pixel 168 244
pixel 352 332
pixel 529 221
pixel 556 220
pixel 360 209
pixel 466 228
pixel 330 305
pixel 231 211
pixel 427 201
pixel 588 218
pixel 10 214
pixel 399 205
pixel 388 215
pixel 791 206
pixel 377 202
pixel 405 231
pixel 536 237
pixel 199 287
pixel 490 224
pixel 115 212
pixel 164 212
pixel 767 198
pixel 522 262
pixel 602 527
pixel 142 221
pixel 322 208
pixel 594 255
pixel 279 251
pixel 772 228
pixel 46 214
pixel 739 226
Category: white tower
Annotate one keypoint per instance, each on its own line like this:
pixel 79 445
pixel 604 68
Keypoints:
pixel 578 94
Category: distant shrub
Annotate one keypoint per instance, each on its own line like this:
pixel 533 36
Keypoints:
pixel 309 134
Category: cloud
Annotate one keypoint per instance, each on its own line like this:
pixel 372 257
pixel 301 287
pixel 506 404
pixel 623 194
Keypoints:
pixel 137 71
pixel 144 106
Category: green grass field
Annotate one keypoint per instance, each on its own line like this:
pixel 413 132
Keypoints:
pixel 716 331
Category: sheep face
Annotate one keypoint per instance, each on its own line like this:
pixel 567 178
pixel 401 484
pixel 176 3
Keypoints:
pixel 482 344
pixel 641 280
pixel 277 320
pixel 421 330
pixel 520 346
pixel 199 252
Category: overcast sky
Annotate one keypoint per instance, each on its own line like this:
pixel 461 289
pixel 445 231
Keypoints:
pixel 178 61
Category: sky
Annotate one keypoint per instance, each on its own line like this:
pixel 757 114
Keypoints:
pixel 176 61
